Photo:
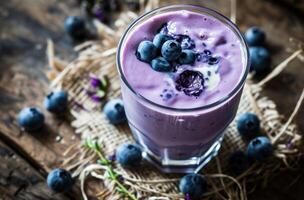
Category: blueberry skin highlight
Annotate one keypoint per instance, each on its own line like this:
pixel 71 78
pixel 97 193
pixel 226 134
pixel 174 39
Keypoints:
pixel 31 119
pixel 171 50
pixel 193 185
pixel 255 36
pixel 60 180
pixel 56 101
pixel 146 51
pixel 260 59
pixel 75 26
pixel 259 149
pixel 114 111
pixel 129 155
pixel 248 125
pixel 161 65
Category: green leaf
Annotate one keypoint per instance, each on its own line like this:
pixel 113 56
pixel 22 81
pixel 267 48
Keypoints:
pixel 104 83
pixel 119 190
pixel 103 161
pixel 101 93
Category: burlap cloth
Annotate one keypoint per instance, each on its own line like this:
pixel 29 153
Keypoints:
pixel 98 58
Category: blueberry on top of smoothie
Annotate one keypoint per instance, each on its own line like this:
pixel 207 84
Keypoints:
pixel 190 82
pixel 171 50
pixel 185 41
pixel 160 39
pixel 160 64
pixel 146 51
pixel 187 57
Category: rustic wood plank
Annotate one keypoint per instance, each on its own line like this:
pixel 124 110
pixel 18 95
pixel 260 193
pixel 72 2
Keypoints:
pixel 18 180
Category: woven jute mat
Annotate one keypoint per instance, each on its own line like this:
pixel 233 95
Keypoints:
pixel 98 58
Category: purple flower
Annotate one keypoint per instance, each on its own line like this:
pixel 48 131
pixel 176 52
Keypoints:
pixel 98 13
pixel 112 157
pixel 95 82
pixel 96 98
pixel 187 197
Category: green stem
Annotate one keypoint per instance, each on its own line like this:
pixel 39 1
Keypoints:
pixel 113 176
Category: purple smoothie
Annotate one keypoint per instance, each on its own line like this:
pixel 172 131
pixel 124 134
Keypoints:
pixel 179 129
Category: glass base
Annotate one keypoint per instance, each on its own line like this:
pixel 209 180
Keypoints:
pixel 167 165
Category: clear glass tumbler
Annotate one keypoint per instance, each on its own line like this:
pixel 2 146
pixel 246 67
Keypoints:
pixel 180 140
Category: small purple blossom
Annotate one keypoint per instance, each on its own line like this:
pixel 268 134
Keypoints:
pixel 112 157
pixel 120 178
pixel 95 82
pixel 187 197
pixel 99 14
pixel 96 98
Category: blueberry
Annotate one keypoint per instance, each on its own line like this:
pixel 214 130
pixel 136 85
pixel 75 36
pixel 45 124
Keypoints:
pixel 167 95
pixel 75 26
pixel 160 39
pixel 255 36
pixel 260 59
pixel 171 50
pixel 185 41
pixel 31 119
pixel 238 162
pixel 60 180
pixel 204 56
pixel 190 82
pixel 259 149
pixel 187 57
pixel 115 112
pixel 213 60
pixel 248 125
pixel 56 101
pixel 146 51
pixel 129 155
pixel 161 65
pixel 193 185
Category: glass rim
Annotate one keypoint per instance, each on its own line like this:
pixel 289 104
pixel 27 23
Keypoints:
pixel 206 10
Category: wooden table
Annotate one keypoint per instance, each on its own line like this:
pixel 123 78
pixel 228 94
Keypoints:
pixel 25 26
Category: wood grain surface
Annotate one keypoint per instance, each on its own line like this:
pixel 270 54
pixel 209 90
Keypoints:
pixel 25 26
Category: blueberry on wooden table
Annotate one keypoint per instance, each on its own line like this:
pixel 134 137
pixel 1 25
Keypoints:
pixel 193 185
pixel 75 26
pixel 56 101
pixel 114 111
pixel 255 36
pixel 248 125
pixel 260 59
pixel 129 155
pixel 31 119
pixel 60 180
pixel 259 149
